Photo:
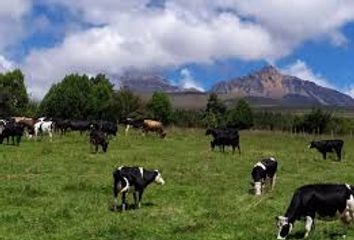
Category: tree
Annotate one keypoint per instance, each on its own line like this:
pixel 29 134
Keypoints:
pixel 241 115
pixel 160 107
pixel 126 104
pixel 102 98
pixel 317 121
pixel 79 97
pixel 13 93
pixel 214 112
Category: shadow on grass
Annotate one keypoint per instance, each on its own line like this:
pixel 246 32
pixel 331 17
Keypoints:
pixel 296 235
pixel 131 207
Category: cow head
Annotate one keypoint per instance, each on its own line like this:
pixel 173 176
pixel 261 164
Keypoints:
pixel 283 226
pixel 312 144
pixel 208 131
pixel 258 188
pixel 158 178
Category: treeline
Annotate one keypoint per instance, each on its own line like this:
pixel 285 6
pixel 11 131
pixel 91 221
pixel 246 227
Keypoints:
pixel 83 97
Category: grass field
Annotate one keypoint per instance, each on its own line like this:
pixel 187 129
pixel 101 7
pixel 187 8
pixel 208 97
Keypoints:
pixel 60 190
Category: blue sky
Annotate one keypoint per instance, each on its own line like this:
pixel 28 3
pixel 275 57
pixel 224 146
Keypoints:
pixel 193 43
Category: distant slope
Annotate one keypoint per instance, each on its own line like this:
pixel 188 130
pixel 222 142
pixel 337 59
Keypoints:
pixel 269 83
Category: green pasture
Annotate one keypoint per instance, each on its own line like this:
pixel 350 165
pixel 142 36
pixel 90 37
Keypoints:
pixel 61 190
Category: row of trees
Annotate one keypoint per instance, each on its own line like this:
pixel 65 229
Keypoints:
pixel 82 97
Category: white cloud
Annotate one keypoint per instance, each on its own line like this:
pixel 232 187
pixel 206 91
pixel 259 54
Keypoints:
pixel 350 91
pixel 11 24
pixel 187 80
pixel 301 70
pixel 5 64
pixel 130 35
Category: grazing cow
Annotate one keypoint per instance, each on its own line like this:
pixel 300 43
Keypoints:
pixel 11 130
pixel 324 200
pixel 224 137
pixel 61 125
pixel 126 177
pixel 135 123
pixel 262 171
pixel 98 137
pixel 27 123
pixel 81 126
pixel 325 146
pixel 153 126
pixel 43 127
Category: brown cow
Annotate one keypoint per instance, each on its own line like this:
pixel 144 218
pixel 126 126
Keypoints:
pixel 153 126
pixel 26 122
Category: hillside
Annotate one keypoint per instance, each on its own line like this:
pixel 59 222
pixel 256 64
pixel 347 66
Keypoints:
pixel 270 83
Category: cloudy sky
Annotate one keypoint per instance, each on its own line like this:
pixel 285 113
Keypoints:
pixel 195 43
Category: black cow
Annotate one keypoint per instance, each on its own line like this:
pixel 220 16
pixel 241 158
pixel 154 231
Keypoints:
pixel 325 146
pixel 126 177
pixel 98 137
pixel 324 200
pixel 224 137
pixel 81 126
pixel 262 171
pixel 61 125
pixel 11 130
pixel 110 128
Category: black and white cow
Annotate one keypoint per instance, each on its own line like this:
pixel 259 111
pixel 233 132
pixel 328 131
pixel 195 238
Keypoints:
pixel 136 178
pixel 325 146
pixel 135 123
pixel 263 171
pixel 324 200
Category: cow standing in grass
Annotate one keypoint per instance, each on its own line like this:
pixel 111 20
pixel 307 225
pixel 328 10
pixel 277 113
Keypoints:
pixel 328 146
pixel 43 127
pixel 98 138
pixel 138 178
pixel 147 125
pixel 323 200
pixel 224 137
pixel 13 130
pixel 262 172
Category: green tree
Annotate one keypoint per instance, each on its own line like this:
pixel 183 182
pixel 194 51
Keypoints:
pixel 79 97
pixel 317 121
pixel 102 98
pixel 13 93
pixel 126 104
pixel 241 115
pixel 160 107
pixel 214 112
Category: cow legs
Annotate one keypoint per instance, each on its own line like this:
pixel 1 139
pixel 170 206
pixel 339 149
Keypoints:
pixel 324 154
pixel 239 149
pixel 273 179
pixel 127 129
pixel 308 226
pixel 115 197
pixel 140 196
pixel 124 201
pixel 137 198
pixel 339 153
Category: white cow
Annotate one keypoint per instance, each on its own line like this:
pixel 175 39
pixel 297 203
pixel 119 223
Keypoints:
pixel 43 127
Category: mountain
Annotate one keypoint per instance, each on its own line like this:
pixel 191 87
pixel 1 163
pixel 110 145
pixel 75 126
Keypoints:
pixel 270 83
pixel 146 82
